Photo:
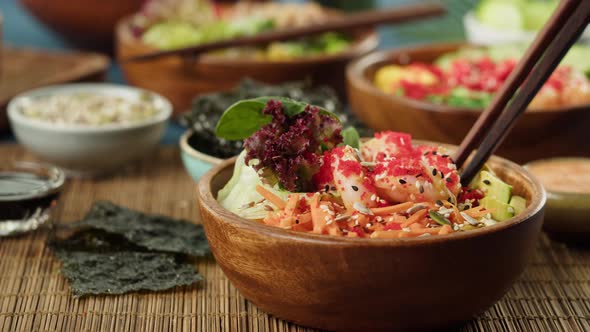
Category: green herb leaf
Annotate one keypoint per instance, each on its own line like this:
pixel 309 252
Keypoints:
pixel 351 137
pixel 242 119
pixel 439 218
pixel 245 117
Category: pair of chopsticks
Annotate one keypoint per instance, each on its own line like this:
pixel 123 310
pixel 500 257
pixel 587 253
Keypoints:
pixel 347 22
pixel 550 46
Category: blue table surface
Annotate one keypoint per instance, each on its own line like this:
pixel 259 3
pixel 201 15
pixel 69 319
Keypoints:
pixel 21 29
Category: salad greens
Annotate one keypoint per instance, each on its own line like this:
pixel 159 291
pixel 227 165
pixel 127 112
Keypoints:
pixel 240 191
pixel 245 117
pixel 515 15
pixel 177 34
pixel 351 137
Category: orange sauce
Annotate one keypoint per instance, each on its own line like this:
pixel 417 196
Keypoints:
pixel 568 175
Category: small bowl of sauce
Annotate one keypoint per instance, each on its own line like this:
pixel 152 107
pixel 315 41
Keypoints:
pixel 567 182
pixel 28 193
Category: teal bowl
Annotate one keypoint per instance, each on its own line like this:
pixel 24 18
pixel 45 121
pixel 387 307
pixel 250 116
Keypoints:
pixel 196 163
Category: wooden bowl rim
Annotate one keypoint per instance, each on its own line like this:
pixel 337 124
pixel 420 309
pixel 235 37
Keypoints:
pixel 208 201
pixel 356 69
pixel 367 41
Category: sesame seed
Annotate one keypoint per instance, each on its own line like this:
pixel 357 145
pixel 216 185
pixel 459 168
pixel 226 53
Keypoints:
pixel 297 221
pixel 434 153
pixel 442 175
pixel 402 181
pixel 421 189
pixel 445 156
pixel 419 175
pixel 426 153
pixel 355 188
pixel 487 182
pixel 439 202
pixel 327 188
pixel 434 172
pixel 333 188
pixel 449 180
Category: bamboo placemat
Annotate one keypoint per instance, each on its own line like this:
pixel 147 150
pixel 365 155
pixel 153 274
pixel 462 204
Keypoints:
pixel 552 295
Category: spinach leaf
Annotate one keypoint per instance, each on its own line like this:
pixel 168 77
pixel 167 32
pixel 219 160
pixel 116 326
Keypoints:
pixel 351 137
pixel 245 117
pixel 242 119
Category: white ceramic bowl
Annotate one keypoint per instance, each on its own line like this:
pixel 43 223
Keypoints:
pixel 89 150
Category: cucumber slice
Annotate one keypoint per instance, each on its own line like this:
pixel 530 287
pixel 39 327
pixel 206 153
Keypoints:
pixel 537 13
pixel 493 187
pixel 518 203
pixel 501 15
pixel 500 211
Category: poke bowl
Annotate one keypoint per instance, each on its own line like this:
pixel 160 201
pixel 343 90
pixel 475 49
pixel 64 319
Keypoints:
pixel 372 284
pixel 180 79
pixel 319 227
pixel 540 133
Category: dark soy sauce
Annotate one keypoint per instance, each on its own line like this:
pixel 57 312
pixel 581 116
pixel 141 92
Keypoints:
pixel 24 196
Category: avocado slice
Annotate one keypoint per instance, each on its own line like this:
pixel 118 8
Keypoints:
pixel 500 211
pixel 493 187
pixel 518 203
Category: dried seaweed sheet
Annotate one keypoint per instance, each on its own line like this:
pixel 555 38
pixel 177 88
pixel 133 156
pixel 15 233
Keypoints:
pixel 154 232
pixel 115 250
pixel 96 262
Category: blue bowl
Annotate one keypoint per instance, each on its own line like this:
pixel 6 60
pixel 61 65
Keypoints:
pixel 196 163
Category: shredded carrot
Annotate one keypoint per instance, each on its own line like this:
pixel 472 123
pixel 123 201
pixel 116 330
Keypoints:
pixel 476 212
pixel 446 229
pixel 457 218
pixel 320 217
pixel 303 227
pixel 381 211
pixel 291 205
pixel 271 219
pixel 386 234
pixel 304 218
pixel 421 231
pixel 415 217
pixel 404 234
pixel 274 199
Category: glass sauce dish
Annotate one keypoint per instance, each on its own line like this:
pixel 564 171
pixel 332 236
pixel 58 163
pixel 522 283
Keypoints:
pixel 28 193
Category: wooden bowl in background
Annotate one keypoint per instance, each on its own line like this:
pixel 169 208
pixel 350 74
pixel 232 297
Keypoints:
pixel 180 80
pixel 360 284
pixel 87 23
pixel 537 134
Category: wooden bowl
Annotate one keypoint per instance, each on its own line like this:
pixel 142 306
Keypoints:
pixel 364 284
pixel 88 23
pixel 537 134
pixel 181 80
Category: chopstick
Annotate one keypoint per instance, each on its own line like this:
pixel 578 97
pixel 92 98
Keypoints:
pixel 519 74
pixel 358 20
pixel 572 16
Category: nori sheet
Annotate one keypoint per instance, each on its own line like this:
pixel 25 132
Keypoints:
pixel 114 250
pixel 154 232
pixel 96 262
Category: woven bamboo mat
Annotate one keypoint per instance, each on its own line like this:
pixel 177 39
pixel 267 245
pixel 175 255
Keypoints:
pixel 552 295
